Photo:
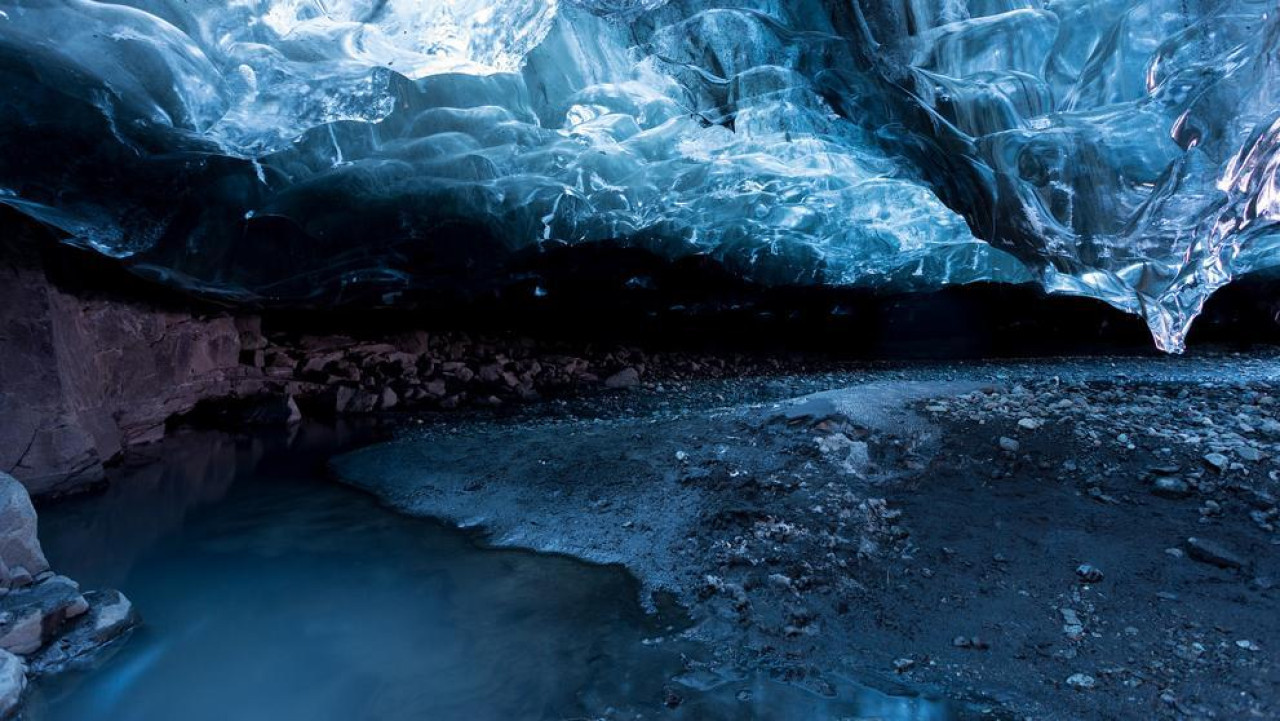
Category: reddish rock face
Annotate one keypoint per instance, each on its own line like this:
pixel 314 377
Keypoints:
pixel 80 378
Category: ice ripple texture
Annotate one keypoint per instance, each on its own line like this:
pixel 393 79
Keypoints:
pixel 294 150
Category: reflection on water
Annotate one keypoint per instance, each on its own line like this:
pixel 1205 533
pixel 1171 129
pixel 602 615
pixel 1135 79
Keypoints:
pixel 271 594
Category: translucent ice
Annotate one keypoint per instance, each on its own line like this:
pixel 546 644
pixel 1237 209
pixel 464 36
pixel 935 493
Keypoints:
pixel 1125 150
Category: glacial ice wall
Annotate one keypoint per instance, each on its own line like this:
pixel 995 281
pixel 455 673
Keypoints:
pixel 294 150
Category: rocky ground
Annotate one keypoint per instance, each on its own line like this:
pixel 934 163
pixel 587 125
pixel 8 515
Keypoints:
pixel 84 379
pixel 92 363
pixel 1087 539
pixel 927 524
pixel 338 374
pixel 46 623
pixel 1061 538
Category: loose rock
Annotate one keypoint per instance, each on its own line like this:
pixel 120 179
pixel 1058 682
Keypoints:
pixel 1171 487
pixel 19 546
pixel 1206 551
pixel 1089 573
pixel 1081 681
pixel 1217 461
pixel 625 378
pixel 13 680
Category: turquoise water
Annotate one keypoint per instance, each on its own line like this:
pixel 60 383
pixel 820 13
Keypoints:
pixel 271 593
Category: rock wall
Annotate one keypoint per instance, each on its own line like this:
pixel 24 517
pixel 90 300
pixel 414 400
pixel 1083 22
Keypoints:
pixel 93 360
pixel 81 377
pixel 89 365
pixel 89 368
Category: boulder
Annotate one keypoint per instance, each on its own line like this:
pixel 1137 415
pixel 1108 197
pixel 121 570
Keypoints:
pixel 43 616
pixel 110 615
pixel 22 631
pixel 33 616
pixel 13 680
pixel 388 399
pixel 348 399
pixel 113 614
pixel 19 545
pixel 271 410
pixel 625 378
pixel 1214 554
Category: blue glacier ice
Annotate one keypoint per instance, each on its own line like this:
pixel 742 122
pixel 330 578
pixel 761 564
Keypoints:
pixel 1124 150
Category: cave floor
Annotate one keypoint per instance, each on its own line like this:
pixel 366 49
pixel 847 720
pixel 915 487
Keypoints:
pixel 1074 538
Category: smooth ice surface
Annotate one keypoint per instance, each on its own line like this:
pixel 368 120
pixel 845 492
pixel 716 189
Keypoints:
pixel 1125 150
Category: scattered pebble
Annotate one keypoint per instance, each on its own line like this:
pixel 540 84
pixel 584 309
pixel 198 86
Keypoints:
pixel 1089 573
pixel 1072 626
pixel 1248 453
pixel 1081 681
pixel 1217 461
pixel 1171 487
pixel 671 699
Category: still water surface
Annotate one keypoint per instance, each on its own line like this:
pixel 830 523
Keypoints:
pixel 271 593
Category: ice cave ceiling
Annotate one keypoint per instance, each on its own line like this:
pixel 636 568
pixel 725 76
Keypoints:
pixel 1126 150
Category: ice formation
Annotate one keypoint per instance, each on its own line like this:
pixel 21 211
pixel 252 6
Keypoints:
pixel 1125 150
